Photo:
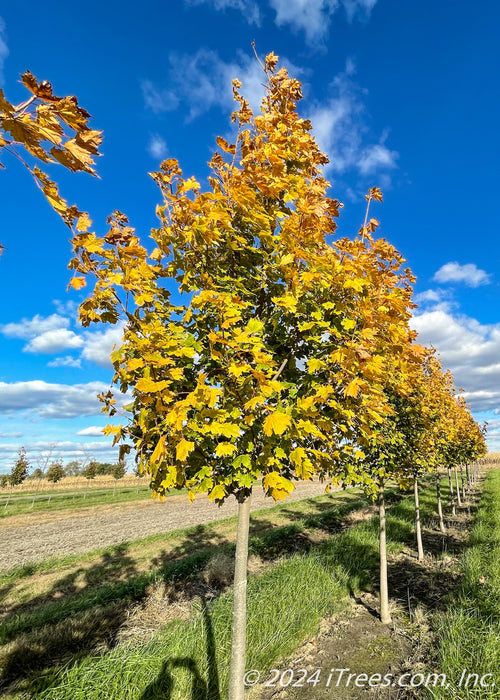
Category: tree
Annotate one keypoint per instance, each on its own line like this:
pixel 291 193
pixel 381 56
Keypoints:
pixel 74 468
pixel 20 469
pixel 55 472
pixel 48 129
pixel 271 370
pixel 118 472
pixel 89 473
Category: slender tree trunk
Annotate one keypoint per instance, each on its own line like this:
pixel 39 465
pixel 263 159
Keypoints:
pixel 440 506
pixel 464 495
pixel 237 666
pixel 467 476
pixel 452 495
pixel 385 616
pixel 459 500
pixel 418 531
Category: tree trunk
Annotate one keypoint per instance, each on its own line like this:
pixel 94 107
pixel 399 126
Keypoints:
pixel 440 506
pixel 237 665
pixel 452 495
pixel 418 531
pixel 384 587
pixel 464 496
pixel 459 500
pixel 467 477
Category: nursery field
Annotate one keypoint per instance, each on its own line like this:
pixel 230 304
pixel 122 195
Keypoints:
pixel 151 617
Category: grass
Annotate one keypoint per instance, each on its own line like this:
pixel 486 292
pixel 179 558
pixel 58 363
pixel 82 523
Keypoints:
pixel 470 631
pixel 59 500
pixel 188 659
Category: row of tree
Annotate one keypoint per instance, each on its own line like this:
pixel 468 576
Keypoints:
pixel 20 470
pixel 285 353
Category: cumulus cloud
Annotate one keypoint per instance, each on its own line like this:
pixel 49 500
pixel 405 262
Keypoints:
pixel 469 274
pixel 65 361
pixel 157 147
pixel 99 344
pixel 29 328
pixel 470 349
pixel 340 127
pixel 52 400
pixel 248 8
pixel 91 430
pixel 4 49
pixel 54 341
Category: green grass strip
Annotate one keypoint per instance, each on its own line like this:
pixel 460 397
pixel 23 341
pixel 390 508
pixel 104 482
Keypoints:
pixel 469 632
pixel 189 658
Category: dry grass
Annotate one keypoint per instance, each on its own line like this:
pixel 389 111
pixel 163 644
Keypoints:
pixel 69 483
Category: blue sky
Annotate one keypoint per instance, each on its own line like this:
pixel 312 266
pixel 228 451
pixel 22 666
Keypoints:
pixel 402 96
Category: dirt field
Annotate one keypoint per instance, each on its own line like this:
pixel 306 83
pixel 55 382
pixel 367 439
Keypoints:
pixel 37 536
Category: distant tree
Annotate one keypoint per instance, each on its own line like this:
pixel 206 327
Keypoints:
pixel 74 468
pixel 118 472
pixel 89 473
pixel 20 469
pixel 37 474
pixel 119 469
pixel 104 468
pixel 55 472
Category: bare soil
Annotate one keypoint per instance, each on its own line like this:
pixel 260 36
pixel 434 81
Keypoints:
pixel 34 537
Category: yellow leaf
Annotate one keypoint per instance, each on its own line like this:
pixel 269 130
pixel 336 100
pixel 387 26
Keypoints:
pixel 78 282
pixel 159 450
pixel 225 448
pixel 217 493
pixel 83 223
pixel 149 386
pixel 277 486
pixel 276 423
pixel 353 388
pixel 135 363
pixel 183 448
pixel 348 323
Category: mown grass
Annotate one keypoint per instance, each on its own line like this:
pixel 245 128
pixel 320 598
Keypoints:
pixel 59 500
pixel 470 630
pixel 188 659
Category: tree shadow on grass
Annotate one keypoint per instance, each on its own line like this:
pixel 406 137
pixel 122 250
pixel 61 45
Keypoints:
pixel 201 689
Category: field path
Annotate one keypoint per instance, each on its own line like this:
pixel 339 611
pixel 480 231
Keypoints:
pixel 33 538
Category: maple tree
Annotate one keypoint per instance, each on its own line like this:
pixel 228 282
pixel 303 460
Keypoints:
pixel 49 129
pixel 272 369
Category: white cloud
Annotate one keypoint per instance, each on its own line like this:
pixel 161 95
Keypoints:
pixel 248 8
pixel 313 16
pixel 157 147
pixel 361 8
pixel 469 274
pixel 470 349
pixel 29 328
pixel 158 100
pixel 99 344
pixel 201 81
pixel 310 16
pixel 340 128
pixel 9 435
pixel 430 295
pixel 65 361
pixel 54 341
pixel 91 430
pixel 52 400
pixel 4 49
pixel 375 157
